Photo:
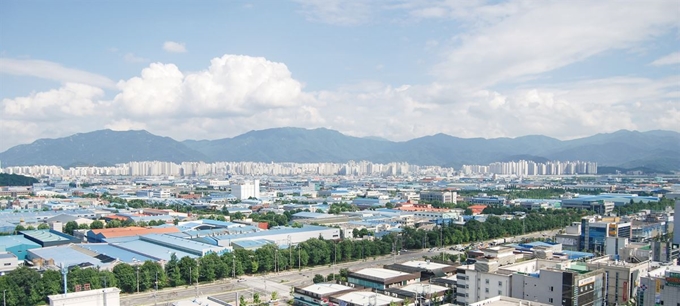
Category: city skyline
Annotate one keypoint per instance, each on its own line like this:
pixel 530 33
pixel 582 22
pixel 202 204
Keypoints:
pixel 397 69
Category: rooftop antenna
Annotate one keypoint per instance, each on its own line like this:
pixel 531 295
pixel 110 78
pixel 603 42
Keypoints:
pixel 64 272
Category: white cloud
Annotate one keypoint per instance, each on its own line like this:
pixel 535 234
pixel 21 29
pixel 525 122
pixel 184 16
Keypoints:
pixel 670 59
pixel 52 71
pixel 71 100
pixel 233 85
pixel 338 12
pixel 132 58
pixel 174 47
pixel 549 35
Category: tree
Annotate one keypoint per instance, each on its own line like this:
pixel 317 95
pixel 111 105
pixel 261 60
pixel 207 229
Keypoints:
pixel 70 227
pixel 96 224
pixel 172 271
pixel 83 226
pixel 175 221
pixel 318 279
pixel 43 226
pixel 188 269
pixel 114 224
pixel 30 228
pixel 242 301
pixel 275 295
pixel 256 298
pixel 19 228
pixel 125 277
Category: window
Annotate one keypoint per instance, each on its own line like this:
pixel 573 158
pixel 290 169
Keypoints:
pixel 500 284
pixel 8 264
pixel 500 292
pixel 487 280
pixel 552 288
pixel 550 300
pixel 486 290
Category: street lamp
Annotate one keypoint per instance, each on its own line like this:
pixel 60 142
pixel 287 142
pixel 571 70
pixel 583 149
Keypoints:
pixel 4 298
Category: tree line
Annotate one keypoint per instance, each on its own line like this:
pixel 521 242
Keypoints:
pixel 26 286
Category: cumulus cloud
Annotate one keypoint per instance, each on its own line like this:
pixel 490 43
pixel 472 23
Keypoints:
pixel 52 71
pixel 71 100
pixel 174 47
pixel 233 85
pixel 670 59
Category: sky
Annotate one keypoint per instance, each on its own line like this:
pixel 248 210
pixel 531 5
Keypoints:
pixel 397 69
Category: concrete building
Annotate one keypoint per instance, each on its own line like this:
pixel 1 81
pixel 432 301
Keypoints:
pixel 105 296
pixel 364 298
pixel 422 293
pixel 438 196
pixel 621 278
pixel 246 190
pixel 507 301
pixel 558 283
pixel 594 232
pixel 8 262
pixel 598 205
pixel 660 287
pixel 318 294
pixel 382 279
pixel 428 269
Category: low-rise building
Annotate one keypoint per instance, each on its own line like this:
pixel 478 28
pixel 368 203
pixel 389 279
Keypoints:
pixel 382 279
pixel 363 298
pixel 8 262
pixel 318 294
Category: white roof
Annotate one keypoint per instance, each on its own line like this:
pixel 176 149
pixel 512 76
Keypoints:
pixel 424 264
pixel 427 288
pixel 380 273
pixel 367 298
pixel 325 288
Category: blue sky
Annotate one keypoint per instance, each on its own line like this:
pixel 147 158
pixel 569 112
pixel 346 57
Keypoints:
pixel 395 69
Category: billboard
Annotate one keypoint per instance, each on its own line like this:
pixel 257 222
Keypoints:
pixel 673 279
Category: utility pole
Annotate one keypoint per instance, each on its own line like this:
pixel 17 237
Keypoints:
pixel 137 279
pixel 299 266
pixel 233 265
pixel 155 294
pixel 441 239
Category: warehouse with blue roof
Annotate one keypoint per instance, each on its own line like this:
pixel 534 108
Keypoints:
pixel 17 245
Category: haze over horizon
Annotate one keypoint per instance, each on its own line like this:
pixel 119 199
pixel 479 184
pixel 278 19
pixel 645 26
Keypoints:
pixel 396 69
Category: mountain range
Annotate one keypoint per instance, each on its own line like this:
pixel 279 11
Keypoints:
pixel 654 150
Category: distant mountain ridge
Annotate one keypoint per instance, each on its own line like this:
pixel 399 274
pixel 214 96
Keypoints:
pixel 626 149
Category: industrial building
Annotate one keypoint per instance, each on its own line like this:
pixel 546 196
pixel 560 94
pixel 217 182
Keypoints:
pixel 47 238
pixel 17 245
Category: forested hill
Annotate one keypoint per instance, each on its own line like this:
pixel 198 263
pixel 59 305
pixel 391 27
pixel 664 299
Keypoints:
pixel 16 180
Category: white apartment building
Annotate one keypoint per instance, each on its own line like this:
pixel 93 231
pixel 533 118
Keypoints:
pixel 246 189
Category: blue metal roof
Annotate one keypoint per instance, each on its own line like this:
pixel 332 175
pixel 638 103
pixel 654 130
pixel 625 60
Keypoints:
pixel 15 240
pixel 115 252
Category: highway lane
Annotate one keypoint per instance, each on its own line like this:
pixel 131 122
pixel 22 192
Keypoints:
pixel 282 282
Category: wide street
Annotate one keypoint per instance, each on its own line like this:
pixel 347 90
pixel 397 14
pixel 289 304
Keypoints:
pixel 281 282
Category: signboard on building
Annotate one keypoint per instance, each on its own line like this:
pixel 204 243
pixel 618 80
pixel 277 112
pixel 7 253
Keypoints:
pixel 673 279
pixel 613 230
pixel 586 281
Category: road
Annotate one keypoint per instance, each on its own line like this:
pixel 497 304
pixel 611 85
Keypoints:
pixel 282 282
